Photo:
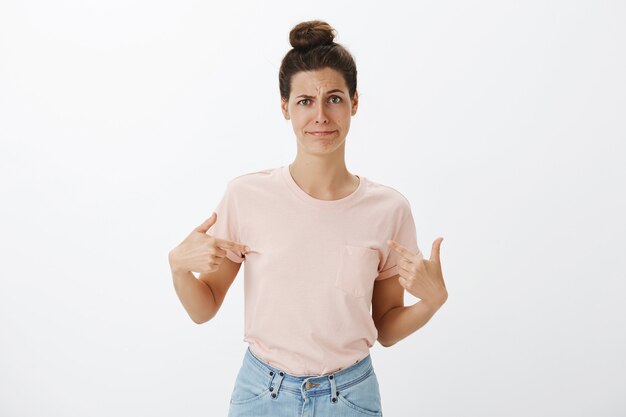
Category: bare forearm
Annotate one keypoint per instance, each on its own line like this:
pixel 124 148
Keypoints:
pixel 400 322
pixel 195 295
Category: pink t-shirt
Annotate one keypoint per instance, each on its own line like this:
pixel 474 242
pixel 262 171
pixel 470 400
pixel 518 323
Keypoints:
pixel 310 271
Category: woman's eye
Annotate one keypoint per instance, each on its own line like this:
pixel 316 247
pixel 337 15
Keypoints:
pixel 332 98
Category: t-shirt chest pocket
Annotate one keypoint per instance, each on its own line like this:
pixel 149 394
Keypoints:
pixel 358 268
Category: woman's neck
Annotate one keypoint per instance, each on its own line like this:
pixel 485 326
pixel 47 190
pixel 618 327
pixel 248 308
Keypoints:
pixel 324 181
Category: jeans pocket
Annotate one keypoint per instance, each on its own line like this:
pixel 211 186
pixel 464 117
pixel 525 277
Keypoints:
pixel 358 268
pixel 248 387
pixel 363 397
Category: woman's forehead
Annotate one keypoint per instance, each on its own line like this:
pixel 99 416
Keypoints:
pixel 319 81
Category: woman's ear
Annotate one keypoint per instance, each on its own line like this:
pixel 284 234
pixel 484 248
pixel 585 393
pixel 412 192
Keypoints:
pixel 355 102
pixel 283 107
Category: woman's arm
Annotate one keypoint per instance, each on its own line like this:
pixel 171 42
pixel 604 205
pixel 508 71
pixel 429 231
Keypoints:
pixel 202 297
pixel 422 278
pixel 393 320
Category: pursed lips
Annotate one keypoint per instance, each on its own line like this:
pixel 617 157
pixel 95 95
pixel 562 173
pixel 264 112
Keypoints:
pixel 321 133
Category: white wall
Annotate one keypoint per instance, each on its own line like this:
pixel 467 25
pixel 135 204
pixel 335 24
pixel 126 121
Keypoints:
pixel 501 122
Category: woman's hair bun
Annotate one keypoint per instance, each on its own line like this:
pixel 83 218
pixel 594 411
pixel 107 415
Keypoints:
pixel 307 35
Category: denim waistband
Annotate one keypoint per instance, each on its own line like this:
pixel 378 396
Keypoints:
pixel 310 385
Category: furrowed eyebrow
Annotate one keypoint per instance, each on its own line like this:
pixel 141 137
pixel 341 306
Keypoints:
pixel 336 90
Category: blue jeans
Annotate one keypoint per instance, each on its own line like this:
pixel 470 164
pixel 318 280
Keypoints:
pixel 262 390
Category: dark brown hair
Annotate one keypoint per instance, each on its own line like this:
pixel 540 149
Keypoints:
pixel 313 49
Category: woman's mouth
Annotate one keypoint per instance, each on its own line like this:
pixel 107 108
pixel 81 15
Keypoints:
pixel 322 133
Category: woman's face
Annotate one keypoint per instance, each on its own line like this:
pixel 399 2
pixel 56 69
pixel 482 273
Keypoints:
pixel 319 102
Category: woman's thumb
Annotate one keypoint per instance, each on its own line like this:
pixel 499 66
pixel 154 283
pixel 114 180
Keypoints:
pixel 206 225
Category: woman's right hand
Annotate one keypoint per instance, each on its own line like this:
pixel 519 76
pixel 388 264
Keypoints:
pixel 201 252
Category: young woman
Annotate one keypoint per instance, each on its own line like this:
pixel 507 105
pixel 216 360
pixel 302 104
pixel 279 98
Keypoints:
pixel 321 246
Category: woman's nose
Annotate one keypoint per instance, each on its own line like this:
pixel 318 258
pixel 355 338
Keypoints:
pixel 320 116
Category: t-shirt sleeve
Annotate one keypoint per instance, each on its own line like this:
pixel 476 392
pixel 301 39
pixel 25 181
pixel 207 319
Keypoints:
pixel 227 224
pixel 404 235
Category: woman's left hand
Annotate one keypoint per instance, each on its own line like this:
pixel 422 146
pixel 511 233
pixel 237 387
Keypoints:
pixel 422 277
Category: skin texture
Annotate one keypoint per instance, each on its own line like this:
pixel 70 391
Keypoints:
pixel 319 167
pixel 320 170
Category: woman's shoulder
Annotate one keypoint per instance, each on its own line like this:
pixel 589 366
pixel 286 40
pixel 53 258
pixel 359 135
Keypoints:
pixel 261 172
pixel 258 177
pixel 387 192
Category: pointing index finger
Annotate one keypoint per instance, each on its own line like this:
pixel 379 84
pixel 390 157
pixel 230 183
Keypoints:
pixel 227 244
pixel 401 249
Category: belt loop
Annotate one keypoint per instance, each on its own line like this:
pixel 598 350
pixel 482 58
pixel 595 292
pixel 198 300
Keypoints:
pixel 272 376
pixel 333 388
pixel 281 376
